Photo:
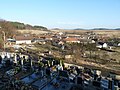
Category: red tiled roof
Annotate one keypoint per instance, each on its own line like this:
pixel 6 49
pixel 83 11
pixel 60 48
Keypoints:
pixel 23 38
pixel 71 39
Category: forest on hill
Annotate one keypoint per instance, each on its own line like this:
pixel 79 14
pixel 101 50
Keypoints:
pixel 20 26
pixel 10 28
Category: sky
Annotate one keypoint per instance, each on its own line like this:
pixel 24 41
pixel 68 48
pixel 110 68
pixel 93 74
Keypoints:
pixel 64 14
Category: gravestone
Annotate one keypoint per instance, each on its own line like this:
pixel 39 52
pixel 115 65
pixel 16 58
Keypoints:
pixel 0 59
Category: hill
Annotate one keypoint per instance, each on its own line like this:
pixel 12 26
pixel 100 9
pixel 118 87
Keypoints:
pixel 10 28
pixel 20 26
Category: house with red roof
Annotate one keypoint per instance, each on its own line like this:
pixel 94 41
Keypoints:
pixel 71 40
pixel 23 39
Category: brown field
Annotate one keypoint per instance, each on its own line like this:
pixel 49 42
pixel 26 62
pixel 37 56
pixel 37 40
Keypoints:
pixel 115 33
pixel 110 33
pixel 33 31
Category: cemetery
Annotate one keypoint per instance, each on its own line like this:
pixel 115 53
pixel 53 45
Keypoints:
pixel 20 71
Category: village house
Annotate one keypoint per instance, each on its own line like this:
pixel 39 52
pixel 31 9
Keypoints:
pixel 10 42
pixel 23 39
pixel 48 38
pixel 39 40
pixel 119 44
pixel 60 33
pixel 61 43
pixel 94 40
pixel 102 45
pixel 71 40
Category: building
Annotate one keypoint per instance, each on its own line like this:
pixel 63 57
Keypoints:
pixel 118 44
pixel 39 40
pixel 10 42
pixel 48 38
pixel 71 40
pixel 102 45
pixel 23 39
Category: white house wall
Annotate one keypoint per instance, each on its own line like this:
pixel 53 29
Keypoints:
pixel 73 41
pixel 119 44
pixel 23 42
pixel 105 45
pixel 99 46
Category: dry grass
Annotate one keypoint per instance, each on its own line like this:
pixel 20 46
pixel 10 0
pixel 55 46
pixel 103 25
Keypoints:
pixel 108 32
pixel 33 31
pixel 115 33
pixel 70 31
pixel 103 32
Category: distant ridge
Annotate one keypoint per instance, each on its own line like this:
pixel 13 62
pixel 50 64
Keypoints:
pixel 105 29
pixel 79 29
pixel 101 29
pixel 2 19
pixel 56 29
pixel 97 29
pixel 117 29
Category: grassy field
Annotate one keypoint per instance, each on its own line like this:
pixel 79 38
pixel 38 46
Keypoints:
pixel 115 33
pixel 33 31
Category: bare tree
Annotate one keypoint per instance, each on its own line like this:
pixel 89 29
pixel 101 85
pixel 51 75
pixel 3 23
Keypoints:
pixel 8 28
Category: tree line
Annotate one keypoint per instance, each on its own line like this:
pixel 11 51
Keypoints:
pixel 19 26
